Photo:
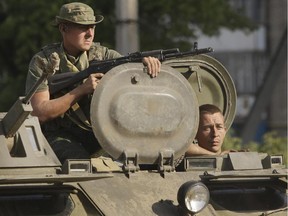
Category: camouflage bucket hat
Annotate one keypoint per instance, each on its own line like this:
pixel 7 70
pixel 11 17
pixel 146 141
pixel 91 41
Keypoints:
pixel 78 13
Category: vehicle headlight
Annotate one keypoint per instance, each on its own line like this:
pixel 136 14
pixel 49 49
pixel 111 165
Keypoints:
pixel 193 196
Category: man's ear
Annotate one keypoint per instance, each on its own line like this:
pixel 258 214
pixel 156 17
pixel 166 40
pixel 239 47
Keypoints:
pixel 62 27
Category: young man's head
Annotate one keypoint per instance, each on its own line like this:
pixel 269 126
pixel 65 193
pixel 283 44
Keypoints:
pixel 211 130
pixel 76 22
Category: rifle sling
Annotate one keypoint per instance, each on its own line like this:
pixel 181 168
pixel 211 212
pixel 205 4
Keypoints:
pixel 81 119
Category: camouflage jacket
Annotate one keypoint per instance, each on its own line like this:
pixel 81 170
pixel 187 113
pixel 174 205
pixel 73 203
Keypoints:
pixel 96 52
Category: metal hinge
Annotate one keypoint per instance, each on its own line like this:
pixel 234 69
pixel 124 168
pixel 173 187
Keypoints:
pixel 166 162
pixel 130 162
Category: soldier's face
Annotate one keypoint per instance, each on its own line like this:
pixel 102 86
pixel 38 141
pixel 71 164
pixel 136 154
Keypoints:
pixel 211 132
pixel 78 37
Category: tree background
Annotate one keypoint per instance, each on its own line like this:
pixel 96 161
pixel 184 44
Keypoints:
pixel 25 27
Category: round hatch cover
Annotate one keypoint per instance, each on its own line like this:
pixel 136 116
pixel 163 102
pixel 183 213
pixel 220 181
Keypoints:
pixel 211 82
pixel 130 111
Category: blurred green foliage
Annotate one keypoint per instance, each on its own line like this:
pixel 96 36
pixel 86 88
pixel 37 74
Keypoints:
pixel 173 23
pixel 25 28
pixel 271 143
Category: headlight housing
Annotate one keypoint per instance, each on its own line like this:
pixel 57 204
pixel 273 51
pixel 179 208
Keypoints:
pixel 193 196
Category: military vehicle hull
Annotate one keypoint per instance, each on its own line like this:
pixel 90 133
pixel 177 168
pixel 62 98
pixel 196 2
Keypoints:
pixel 231 192
pixel 145 125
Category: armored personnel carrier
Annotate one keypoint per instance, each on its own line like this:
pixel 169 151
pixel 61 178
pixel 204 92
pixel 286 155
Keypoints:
pixel 145 125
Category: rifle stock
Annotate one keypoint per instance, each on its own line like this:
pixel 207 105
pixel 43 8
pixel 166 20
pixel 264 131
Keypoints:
pixel 62 81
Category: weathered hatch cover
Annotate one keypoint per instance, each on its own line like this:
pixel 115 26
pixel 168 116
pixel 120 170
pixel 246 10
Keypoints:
pixel 211 82
pixel 130 111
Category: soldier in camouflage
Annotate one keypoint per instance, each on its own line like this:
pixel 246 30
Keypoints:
pixel 66 130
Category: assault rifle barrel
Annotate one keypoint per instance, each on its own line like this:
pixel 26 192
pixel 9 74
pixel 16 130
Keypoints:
pixel 62 81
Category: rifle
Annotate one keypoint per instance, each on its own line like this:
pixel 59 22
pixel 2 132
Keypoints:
pixel 62 81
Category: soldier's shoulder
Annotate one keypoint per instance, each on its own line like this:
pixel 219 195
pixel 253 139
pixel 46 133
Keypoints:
pixel 53 47
pixel 97 51
pixel 44 52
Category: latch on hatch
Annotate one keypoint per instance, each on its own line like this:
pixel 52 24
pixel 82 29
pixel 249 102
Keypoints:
pixel 130 161
pixel 166 161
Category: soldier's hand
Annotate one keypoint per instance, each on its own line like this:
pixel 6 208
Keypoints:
pixel 153 65
pixel 91 82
